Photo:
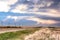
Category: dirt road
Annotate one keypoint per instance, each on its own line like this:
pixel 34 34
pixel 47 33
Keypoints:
pixel 3 30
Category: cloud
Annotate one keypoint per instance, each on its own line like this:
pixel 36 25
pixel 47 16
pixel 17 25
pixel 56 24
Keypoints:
pixel 59 6
pixel 16 18
pixel 32 18
pixel 20 9
pixel 44 17
pixel 37 8
pixel 47 10
pixel 30 5
pixel 50 12
pixel 5 5
pixel 11 2
pixel 24 6
pixel 42 21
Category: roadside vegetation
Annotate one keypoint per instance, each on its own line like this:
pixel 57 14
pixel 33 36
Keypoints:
pixel 18 35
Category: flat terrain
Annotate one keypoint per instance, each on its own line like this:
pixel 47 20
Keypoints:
pixel 15 33
pixel 29 33
pixel 3 30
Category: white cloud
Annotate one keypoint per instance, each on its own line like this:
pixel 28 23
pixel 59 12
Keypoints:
pixel 5 5
pixel 20 9
pixel 10 2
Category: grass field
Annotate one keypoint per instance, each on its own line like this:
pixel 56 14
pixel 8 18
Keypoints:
pixel 18 35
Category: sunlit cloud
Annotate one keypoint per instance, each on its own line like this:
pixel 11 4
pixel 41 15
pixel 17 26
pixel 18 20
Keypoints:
pixel 42 21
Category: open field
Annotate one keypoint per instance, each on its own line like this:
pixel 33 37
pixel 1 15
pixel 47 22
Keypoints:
pixel 29 33
pixel 15 33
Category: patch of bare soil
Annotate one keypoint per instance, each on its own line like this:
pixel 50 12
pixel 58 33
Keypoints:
pixel 44 34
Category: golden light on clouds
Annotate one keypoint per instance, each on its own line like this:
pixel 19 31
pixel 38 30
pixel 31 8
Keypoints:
pixel 42 21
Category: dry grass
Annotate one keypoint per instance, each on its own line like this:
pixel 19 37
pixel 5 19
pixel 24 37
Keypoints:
pixel 44 34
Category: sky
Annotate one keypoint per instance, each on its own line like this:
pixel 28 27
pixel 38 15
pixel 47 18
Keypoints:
pixel 30 12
